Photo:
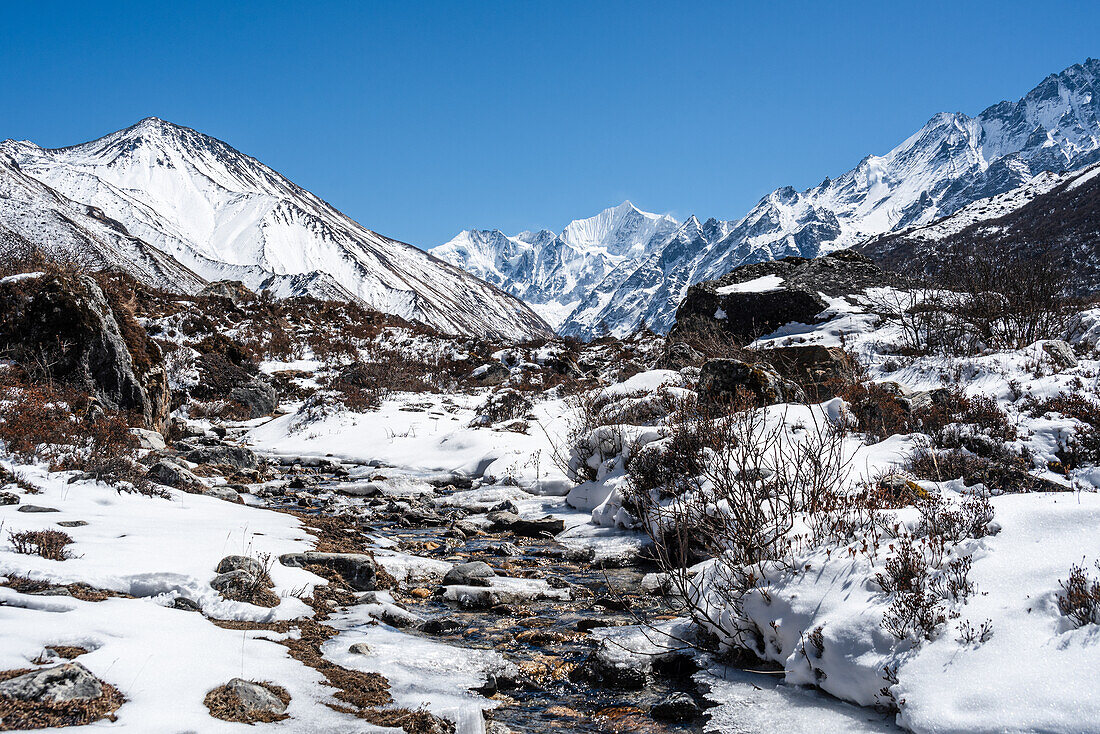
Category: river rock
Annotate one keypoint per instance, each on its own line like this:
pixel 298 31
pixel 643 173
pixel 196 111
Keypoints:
pixel 505 521
pixel 678 706
pixel 474 573
pixel 59 684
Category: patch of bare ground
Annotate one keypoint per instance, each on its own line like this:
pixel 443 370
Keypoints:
pixel 80 591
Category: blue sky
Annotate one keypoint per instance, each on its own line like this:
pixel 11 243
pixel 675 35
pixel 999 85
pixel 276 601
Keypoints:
pixel 422 119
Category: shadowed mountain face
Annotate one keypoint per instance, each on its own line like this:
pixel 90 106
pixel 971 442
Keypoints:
pixel 951 162
pixel 176 207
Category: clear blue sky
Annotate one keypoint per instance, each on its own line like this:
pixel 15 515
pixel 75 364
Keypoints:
pixel 423 118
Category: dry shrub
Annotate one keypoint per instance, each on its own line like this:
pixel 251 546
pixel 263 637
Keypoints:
pixel 42 423
pixel 226 705
pixel 16 715
pixel 1079 599
pixel 49 544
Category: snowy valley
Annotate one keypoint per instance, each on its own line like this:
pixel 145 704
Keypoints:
pixel 830 467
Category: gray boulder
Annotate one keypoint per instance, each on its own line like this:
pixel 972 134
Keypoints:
pixel 149 439
pixel 235 457
pixel 59 684
pixel 256 698
pixel 355 568
pixel 173 475
pixel 744 306
pixel 258 396
pixel 226 494
pixel 474 573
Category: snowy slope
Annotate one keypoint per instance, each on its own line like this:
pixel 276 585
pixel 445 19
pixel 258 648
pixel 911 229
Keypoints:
pixel 225 215
pixel 553 272
pixel 951 162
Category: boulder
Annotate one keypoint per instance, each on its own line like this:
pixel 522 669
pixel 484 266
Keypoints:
pixel 173 475
pixel 355 568
pixel 149 439
pixel 67 323
pixel 258 395
pixel 1061 353
pixel 754 300
pixel 505 521
pixel 490 374
pixel 677 706
pixel 814 367
pixel 37 508
pixel 474 573
pixel 255 698
pixel 360 648
pixel 723 379
pixel 235 457
pixel 232 583
pixel 60 684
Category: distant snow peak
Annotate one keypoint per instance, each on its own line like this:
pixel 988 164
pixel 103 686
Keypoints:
pixel 555 272
pixel 177 208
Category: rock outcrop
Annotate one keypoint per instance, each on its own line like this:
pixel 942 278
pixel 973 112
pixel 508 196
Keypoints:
pixel 754 300
pixel 65 328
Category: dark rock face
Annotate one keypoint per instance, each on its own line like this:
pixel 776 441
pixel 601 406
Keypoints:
pixel 795 293
pixel 724 379
pixel 67 325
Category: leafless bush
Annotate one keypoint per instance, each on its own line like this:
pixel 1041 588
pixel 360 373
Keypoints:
pixel 49 544
pixel 1079 599
pixel 753 482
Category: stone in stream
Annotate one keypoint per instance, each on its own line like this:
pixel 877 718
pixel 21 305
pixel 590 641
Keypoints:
pixel 677 706
pixel 360 648
pixel 505 521
pixel 355 568
pixel 59 684
pixel 474 573
pixel 360 490
pixel 442 626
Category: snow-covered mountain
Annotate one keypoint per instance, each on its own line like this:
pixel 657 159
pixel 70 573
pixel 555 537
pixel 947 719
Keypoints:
pixel 552 272
pixel 218 214
pixel 952 161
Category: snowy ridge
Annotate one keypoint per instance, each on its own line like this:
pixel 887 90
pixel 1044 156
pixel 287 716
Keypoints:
pixel 224 215
pixel 552 272
pixel 953 161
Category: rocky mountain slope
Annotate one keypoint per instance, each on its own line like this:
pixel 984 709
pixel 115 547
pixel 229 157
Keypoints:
pixel 182 207
pixel 1055 215
pixel 951 162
